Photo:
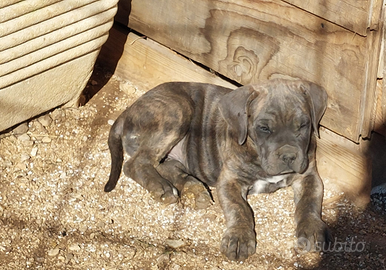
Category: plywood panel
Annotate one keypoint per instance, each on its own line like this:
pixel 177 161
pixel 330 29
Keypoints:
pixel 148 64
pixel 352 15
pixel 251 41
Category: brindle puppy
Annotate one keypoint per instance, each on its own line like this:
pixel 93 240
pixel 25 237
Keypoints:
pixel 254 139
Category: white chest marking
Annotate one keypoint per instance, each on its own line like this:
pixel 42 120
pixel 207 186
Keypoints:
pixel 275 179
pixel 269 184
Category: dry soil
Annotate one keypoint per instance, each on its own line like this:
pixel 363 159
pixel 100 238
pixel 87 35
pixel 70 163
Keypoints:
pixel 55 215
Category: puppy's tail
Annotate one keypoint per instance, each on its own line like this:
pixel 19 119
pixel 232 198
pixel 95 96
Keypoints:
pixel 116 152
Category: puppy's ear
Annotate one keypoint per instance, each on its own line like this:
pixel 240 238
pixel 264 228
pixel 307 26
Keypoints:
pixel 234 108
pixel 317 100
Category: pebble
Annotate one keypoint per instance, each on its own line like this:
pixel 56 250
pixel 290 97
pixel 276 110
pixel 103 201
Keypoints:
pixel 174 243
pixel 20 129
pixel 46 139
pixel 53 252
pixel 24 137
pixel 34 151
pixel 74 247
pixel 110 122
pixel 58 114
pixel 38 127
pixel 24 157
pixel 45 120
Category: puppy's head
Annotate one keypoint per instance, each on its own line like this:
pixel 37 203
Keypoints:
pixel 277 117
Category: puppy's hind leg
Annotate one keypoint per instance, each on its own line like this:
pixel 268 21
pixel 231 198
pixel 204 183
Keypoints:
pixel 186 184
pixel 158 121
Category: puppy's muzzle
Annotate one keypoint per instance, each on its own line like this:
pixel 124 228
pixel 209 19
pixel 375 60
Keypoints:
pixel 288 154
pixel 285 159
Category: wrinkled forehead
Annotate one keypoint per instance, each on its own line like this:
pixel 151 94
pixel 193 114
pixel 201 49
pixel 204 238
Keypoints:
pixel 281 105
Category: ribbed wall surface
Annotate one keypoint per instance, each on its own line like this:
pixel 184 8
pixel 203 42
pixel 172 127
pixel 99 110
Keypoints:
pixel 36 39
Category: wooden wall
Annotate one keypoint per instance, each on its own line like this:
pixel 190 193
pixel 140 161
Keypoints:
pixel 333 43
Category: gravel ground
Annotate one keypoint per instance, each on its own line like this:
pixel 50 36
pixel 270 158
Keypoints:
pixel 55 215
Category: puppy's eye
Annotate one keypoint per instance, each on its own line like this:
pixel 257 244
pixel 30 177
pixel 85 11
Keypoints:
pixel 264 129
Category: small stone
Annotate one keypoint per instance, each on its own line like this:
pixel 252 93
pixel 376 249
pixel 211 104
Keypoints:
pixel 174 243
pixel 58 114
pixel 37 127
pixel 24 137
pixel 34 151
pixel 46 139
pixel 74 247
pixel 110 122
pixel 24 157
pixel 45 120
pixel 53 252
pixel 20 129
pixel 27 143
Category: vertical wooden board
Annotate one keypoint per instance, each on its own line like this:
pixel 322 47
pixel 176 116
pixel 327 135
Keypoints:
pixel 369 99
pixel 345 166
pixel 254 41
pixel 352 15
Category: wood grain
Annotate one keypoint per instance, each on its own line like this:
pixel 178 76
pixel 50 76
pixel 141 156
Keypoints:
pixel 148 64
pixel 251 41
pixel 352 15
pixel 345 166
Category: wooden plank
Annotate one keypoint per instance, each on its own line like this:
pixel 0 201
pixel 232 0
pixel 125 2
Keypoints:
pixel 147 63
pixel 352 15
pixel 343 165
pixel 369 99
pixel 250 41
pixel 380 117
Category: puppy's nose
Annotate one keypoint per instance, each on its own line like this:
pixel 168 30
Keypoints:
pixel 288 154
pixel 288 158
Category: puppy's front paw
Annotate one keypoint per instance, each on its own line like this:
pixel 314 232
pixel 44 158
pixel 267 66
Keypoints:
pixel 313 234
pixel 238 243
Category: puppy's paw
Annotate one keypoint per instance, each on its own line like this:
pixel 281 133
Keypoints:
pixel 238 243
pixel 166 194
pixel 197 191
pixel 313 234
